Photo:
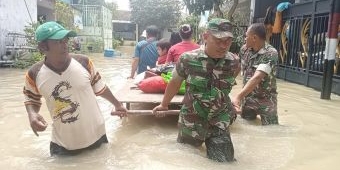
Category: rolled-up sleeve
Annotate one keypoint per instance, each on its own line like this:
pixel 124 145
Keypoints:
pixel 265 68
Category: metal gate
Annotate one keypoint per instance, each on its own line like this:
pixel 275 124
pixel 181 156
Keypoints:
pixel 301 45
pixel 96 32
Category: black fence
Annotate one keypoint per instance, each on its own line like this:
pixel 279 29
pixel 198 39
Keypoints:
pixel 301 45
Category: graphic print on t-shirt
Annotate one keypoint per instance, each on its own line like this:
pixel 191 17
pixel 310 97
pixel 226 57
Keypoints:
pixel 64 107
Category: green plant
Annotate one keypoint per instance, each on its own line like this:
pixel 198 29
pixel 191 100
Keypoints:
pixel 31 57
pixel 64 15
pixel 94 45
pixel 30 32
pixel 115 43
pixel 238 39
pixel 24 63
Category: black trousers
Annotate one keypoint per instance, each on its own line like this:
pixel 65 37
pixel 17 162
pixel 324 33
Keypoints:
pixel 56 149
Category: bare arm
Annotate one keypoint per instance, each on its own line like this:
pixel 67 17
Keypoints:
pixel 170 91
pixel 134 66
pixel 249 87
pixel 120 109
pixel 37 122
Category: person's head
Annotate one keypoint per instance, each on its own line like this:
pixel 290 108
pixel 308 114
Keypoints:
pixel 175 38
pixel 152 31
pixel 218 37
pixel 53 38
pixel 185 32
pixel 163 46
pixel 255 36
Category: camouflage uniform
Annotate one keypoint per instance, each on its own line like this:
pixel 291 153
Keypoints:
pixel 263 99
pixel 207 109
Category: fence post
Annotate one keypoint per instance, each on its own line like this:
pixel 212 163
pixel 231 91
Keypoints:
pixel 331 44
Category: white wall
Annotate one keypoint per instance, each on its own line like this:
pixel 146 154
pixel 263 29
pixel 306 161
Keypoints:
pixel 107 27
pixel 14 16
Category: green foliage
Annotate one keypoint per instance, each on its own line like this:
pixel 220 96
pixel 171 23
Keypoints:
pixel 112 6
pixel 162 13
pixel 241 19
pixel 117 42
pixel 64 15
pixel 238 39
pixel 193 21
pixel 198 7
pixel 24 58
pixel 26 62
pixel 30 33
pixel 94 45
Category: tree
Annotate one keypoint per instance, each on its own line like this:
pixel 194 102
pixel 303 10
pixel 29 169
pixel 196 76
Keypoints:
pixel 198 7
pixel 162 13
pixel 112 7
pixel 64 15
pixel 193 21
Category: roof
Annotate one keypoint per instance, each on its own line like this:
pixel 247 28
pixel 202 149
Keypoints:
pixel 122 15
pixel 122 21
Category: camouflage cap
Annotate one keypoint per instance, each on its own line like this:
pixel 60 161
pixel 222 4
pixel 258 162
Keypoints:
pixel 220 28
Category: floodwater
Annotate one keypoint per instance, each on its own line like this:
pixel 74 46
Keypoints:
pixel 308 137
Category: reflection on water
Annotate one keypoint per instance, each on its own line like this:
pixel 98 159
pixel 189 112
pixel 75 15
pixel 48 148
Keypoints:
pixel 308 137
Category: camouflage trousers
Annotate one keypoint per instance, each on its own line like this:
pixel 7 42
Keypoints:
pixel 218 141
pixel 265 107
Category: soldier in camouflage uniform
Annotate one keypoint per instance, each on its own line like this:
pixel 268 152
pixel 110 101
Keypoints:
pixel 259 60
pixel 209 74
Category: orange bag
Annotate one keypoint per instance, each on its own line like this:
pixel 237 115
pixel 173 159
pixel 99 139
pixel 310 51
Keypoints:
pixel 155 84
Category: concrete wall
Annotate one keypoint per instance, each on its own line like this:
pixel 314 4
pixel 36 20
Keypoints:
pixel 14 16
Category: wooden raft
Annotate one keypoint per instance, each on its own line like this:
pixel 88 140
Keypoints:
pixel 132 96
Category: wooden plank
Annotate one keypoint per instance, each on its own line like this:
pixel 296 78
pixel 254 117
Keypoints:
pixel 149 112
pixel 131 94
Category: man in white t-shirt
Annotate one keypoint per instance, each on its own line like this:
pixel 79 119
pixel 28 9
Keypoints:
pixel 69 83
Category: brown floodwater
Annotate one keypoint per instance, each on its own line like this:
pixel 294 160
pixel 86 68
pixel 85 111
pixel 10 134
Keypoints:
pixel 307 138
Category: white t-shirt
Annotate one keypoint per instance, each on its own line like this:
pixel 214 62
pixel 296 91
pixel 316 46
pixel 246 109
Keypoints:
pixel 71 101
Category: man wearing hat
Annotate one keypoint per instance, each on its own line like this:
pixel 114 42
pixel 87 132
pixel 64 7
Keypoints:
pixel 69 83
pixel 209 74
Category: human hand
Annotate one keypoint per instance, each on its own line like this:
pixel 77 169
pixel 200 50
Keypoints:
pixel 158 108
pixel 236 102
pixel 120 111
pixel 282 6
pixel 38 123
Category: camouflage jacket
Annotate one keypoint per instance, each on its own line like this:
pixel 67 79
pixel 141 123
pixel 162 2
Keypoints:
pixel 265 60
pixel 208 84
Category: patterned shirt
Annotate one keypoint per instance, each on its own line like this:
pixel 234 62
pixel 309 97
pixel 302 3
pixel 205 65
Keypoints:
pixel 264 60
pixel 71 100
pixel 208 84
pixel 146 51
